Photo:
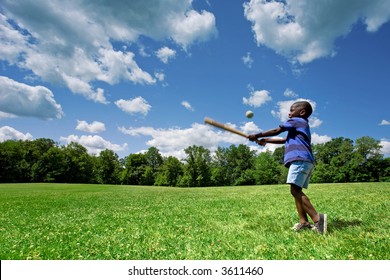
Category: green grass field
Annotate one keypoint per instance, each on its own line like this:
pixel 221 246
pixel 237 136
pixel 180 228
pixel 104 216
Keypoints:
pixel 59 221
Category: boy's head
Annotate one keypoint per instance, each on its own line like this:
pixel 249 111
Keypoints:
pixel 300 109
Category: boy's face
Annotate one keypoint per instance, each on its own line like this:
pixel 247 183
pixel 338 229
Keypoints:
pixel 296 111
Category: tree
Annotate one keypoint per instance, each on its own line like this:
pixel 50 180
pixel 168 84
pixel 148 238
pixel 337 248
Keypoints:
pixel 33 154
pixel 385 171
pixel 367 160
pixel 14 167
pixel 107 167
pixel 169 172
pixel 51 167
pixel 268 170
pixel 231 165
pixel 278 154
pixel 153 160
pixel 197 171
pixel 333 161
pixel 79 164
pixel 220 168
pixel 135 165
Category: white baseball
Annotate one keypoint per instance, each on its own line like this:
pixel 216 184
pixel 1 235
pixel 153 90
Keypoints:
pixel 249 114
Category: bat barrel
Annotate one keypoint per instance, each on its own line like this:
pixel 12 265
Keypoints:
pixel 224 127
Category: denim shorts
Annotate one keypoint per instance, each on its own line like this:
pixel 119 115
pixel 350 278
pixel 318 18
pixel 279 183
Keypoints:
pixel 299 173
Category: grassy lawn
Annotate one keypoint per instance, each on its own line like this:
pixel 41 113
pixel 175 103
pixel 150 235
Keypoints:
pixel 59 221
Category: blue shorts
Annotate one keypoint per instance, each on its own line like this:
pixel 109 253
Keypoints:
pixel 299 173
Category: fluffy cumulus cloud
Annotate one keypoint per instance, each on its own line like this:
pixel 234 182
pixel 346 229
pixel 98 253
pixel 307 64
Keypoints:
pixel 30 101
pixel 306 30
pixel 257 98
pixel 384 122
pixel 250 128
pixel 191 26
pixel 94 143
pixel 385 143
pixel 165 53
pixel 320 139
pixel 94 127
pixel 10 133
pixel 76 49
pixel 137 105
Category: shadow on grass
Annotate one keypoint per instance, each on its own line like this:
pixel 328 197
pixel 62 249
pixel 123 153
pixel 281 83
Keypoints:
pixel 341 223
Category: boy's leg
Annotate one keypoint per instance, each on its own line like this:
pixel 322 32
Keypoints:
pixel 303 205
pixel 299 174
pixel 298 203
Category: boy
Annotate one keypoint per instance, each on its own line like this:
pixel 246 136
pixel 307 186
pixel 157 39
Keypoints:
pixel 298 157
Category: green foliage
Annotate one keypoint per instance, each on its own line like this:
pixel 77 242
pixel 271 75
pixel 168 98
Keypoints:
pixel 135 165
pixel 79 164
pixel 233 166
pixel 108 167
pixel 169 173
pixel 340 161
pixel 268 170
pixel 105 222
pixel 42 160
pixel 197 172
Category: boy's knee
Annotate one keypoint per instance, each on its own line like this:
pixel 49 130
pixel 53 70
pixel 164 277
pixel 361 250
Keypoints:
pixel 296 191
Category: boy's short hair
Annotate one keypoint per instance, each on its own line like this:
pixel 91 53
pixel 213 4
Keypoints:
pixel 307 106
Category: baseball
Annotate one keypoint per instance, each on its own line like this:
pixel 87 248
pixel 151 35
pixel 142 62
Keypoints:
pixel 249 114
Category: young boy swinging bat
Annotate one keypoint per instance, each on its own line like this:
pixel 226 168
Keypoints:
pixel 299 159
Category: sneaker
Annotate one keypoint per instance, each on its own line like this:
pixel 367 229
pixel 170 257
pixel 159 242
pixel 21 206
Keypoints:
pixel 321 225
pixel 299 226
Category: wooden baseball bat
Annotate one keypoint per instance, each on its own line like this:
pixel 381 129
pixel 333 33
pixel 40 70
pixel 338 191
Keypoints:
pixel 224 127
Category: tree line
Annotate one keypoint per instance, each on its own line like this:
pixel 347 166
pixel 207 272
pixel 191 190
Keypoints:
pixel 42 160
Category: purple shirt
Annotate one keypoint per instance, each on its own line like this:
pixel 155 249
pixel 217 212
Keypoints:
pixel 297 147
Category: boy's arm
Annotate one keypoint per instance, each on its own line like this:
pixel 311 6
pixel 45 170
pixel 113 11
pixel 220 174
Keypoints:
pixel 265 141
pixel 271 132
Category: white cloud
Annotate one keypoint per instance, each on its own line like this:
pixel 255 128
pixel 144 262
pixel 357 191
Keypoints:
pixel 6 115
pixel 314 122
pixel 77 85
pixel 12 41
pixel 165 53
pixel 384 122
pixel 10 133
pixel 192 27
pixel 30 101
pixel 94 143
pixel 187 105
pixel 94 127
pixel 173 141
pixel 306 30
pixel 137 105
pixel 250 128
pixel 159 76
pixel 257 98
pixel 385 147
pixel 119 65
pixel 248 60
pixel 320 139
pixel 76 49
pixel 290 93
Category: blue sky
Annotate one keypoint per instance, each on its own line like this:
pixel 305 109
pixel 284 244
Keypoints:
pixel 128 75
